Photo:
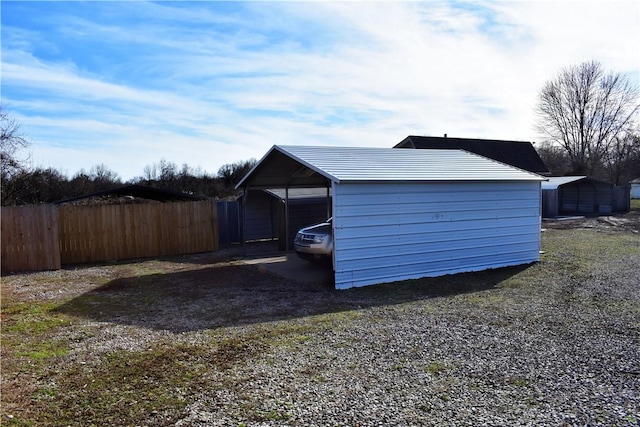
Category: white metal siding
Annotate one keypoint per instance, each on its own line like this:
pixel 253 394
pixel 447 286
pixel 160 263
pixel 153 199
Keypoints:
pixel 396 231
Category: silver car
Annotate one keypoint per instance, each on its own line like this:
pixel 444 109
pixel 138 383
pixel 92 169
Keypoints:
pixel 315 242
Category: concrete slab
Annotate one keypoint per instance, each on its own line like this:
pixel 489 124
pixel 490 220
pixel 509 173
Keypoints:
pixel 291 267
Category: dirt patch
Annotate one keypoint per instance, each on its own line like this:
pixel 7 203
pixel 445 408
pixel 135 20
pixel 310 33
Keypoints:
pixel 629 222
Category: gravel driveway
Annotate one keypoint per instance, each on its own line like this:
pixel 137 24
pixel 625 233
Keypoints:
pixel 554 343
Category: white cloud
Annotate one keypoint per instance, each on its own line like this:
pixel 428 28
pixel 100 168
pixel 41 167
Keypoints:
pixel 181 87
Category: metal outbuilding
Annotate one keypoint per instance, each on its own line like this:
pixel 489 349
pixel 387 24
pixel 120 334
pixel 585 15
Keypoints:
pixel 581 195
pixel 405 214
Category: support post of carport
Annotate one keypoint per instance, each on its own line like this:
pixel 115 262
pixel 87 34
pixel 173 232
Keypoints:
pixel 286 218
pixel 328 200
pixel 243 233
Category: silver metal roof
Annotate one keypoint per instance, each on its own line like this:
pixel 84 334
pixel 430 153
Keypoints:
pixel 556 181
pixel 305 165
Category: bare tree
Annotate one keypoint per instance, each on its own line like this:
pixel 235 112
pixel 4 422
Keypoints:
pixel 554 157
pixel 104 178
pixel 12 166
pixel 623 160
pixel 232 173
pixel 11 141
pixel 585 110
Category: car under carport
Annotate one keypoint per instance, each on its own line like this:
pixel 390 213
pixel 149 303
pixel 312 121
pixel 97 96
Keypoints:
pixel 406 214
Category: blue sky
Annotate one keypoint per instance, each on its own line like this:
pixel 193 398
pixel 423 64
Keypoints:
pixel 128 83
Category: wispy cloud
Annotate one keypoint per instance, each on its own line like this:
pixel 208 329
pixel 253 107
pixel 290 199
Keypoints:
pixel 207 83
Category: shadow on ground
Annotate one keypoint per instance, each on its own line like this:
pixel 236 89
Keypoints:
pixel 232 294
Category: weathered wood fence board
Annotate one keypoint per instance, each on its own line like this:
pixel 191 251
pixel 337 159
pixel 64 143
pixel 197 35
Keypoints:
pixel 29 238
pixel 44 237
pixel 113 232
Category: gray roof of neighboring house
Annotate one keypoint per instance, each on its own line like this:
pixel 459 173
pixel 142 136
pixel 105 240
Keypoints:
pixel 520 154
pixel 312 166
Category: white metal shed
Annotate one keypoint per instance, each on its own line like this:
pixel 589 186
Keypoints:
pixel 635 188
pixel 406 214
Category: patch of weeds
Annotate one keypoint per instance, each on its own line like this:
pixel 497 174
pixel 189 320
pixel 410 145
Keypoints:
pixel 123 389
pixel 425 407
pixel 436 367
pixel 531 402
pixel 253 410
pixel 519 381
pixel 284 335
pixel 127 388
pixel 294 334
pixel 32 318
pixel 40 351
pixel 336 319
pixel 271 415
pixel 46 393
pixel 232 350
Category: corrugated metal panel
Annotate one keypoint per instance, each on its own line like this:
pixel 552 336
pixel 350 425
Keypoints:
pixel 262 217
pixel 549 203
pixel 604 198
pixel 388 232
pixel 586 197
pixel 621 198
pixel 345 164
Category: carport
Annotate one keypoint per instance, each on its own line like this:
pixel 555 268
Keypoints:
pixel 265 214
pixel 405 214
pixel 581 195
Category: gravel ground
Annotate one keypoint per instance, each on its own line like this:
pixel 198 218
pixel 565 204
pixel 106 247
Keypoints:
pixel 559 352
pixel 521 356
pixel 554 343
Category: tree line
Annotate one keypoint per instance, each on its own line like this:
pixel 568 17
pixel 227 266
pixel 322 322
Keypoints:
pixel 46 185
pixel 587 116
pixel 23 185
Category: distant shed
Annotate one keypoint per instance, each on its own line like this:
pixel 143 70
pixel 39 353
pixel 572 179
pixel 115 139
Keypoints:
pixel 581 195
pixel 635 188
pixel 406 214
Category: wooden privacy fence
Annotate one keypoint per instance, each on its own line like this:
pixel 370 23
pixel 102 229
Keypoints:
pixel 29 237
pixel 79 234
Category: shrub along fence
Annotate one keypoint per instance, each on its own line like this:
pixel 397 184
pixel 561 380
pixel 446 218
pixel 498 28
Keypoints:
pixel 46 237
